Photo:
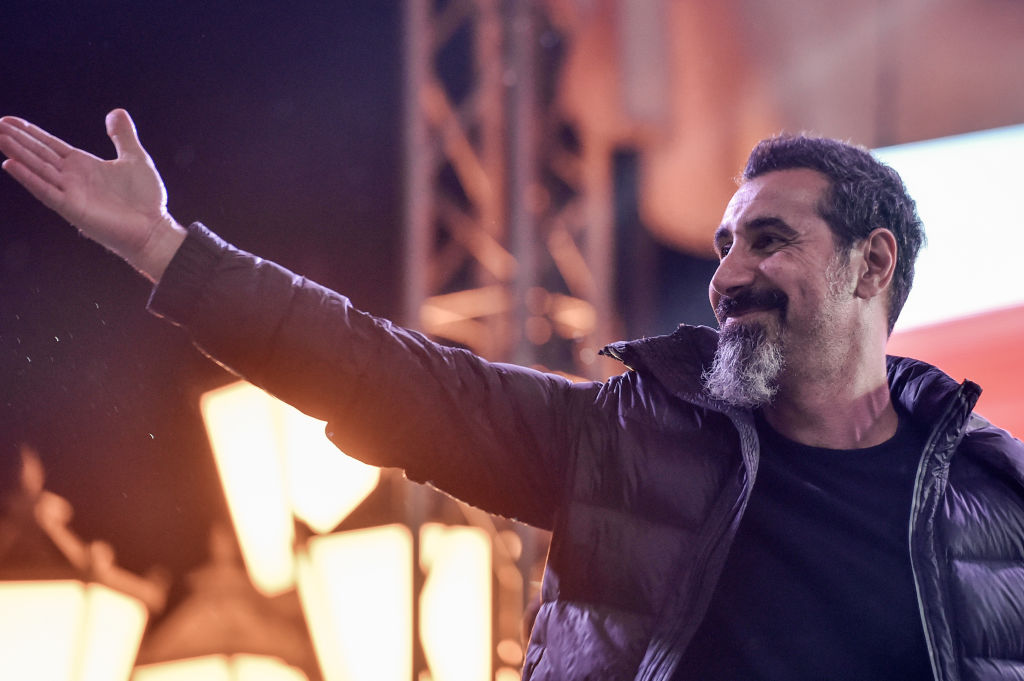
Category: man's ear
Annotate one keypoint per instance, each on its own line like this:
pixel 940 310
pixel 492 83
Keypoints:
pixel 879 252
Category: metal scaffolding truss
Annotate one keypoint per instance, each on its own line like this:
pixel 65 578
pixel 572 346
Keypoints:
pixel 508 226
pixel 508 217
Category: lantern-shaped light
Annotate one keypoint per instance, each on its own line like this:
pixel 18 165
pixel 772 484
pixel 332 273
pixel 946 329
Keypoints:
pixel 276 465
pixel 66 612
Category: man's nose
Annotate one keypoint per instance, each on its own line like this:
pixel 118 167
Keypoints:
pixel 735 272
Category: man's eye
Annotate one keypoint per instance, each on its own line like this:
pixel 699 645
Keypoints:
pixel 723 251
pixel 767 241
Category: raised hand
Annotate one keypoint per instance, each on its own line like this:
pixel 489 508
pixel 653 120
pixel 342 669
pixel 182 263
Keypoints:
pixel 120 203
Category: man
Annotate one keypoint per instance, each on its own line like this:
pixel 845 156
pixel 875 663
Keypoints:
pixel 884 538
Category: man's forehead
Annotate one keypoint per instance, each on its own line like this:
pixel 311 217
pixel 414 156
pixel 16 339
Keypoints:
pixel 778 193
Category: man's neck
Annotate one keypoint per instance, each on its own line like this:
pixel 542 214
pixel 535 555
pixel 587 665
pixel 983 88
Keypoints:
pixel 846 410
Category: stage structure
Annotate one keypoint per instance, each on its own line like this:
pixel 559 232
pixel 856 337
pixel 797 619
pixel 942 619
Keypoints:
pixel 509 238
pixel 509 248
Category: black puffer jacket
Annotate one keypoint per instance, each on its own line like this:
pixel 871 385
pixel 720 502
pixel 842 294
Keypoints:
pixel 642 479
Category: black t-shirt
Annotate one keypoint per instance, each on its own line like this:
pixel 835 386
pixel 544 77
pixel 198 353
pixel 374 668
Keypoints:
pixel 818 583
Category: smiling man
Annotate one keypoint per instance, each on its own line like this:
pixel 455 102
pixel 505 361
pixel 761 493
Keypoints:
pixel 805 306
pixel 774 501
pixel 789 285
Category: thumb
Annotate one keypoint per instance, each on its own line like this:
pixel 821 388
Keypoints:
pixel 121 131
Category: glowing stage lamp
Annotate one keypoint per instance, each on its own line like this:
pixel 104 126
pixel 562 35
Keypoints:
pixel 67 630
pixel 225 629
pixel 62 615
pixel 275 464
pixel 356 591
pixel 455 603
pixel 221 668
pixel 356 587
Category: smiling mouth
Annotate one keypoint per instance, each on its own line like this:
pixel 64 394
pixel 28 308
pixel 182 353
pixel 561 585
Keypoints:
pixel 753 310
pixel 740 315
pixel 749 304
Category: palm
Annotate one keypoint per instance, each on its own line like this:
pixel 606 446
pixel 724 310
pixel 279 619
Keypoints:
pixel 118 203
pixel 121 199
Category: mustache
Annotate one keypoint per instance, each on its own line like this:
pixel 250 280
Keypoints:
pixel 768 299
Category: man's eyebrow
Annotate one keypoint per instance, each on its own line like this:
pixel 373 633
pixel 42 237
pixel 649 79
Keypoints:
pixel 756 224
pixel 720 234
pixel 770 222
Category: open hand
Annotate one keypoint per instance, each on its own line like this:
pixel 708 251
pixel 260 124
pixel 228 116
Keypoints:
pixel 120 203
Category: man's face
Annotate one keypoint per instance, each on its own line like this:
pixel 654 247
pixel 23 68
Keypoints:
pixel 778 286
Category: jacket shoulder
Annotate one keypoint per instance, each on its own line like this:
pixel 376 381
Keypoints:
pixel 995 447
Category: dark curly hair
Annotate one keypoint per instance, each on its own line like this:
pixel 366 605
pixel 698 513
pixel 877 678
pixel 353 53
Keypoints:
pixel 864 194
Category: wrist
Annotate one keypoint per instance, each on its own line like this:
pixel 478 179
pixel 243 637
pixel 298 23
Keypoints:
pixel 155 255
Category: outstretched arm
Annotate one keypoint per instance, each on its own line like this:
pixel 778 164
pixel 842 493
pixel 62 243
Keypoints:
pixel 121 203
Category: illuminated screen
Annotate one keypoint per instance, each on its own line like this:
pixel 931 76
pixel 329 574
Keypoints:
pixel 965 187
pixel 965 313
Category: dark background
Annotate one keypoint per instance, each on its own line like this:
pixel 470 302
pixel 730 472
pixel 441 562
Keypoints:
pixel 276 124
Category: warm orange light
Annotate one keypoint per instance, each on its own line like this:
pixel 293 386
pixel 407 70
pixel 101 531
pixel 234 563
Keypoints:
pixel 221 668
pixel 113 628
pixel 577 316
pixel 356 591
pixel 274 462
pixel 63 630
pixel 324 485
pixel 455 604
pixel 240 422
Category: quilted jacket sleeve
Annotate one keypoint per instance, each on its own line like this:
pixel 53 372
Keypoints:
pixel 497 436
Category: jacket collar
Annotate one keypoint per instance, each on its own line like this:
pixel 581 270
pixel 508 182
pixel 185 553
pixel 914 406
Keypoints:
pixel 677 360
pixel 924 391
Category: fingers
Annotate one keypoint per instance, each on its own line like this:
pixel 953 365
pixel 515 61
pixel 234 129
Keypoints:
pixel 28 151
pixel 13 124
pixel 20 140
pixel 48 193
pixel 122 133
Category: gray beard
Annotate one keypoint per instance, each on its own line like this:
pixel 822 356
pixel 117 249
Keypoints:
pixel 746 368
